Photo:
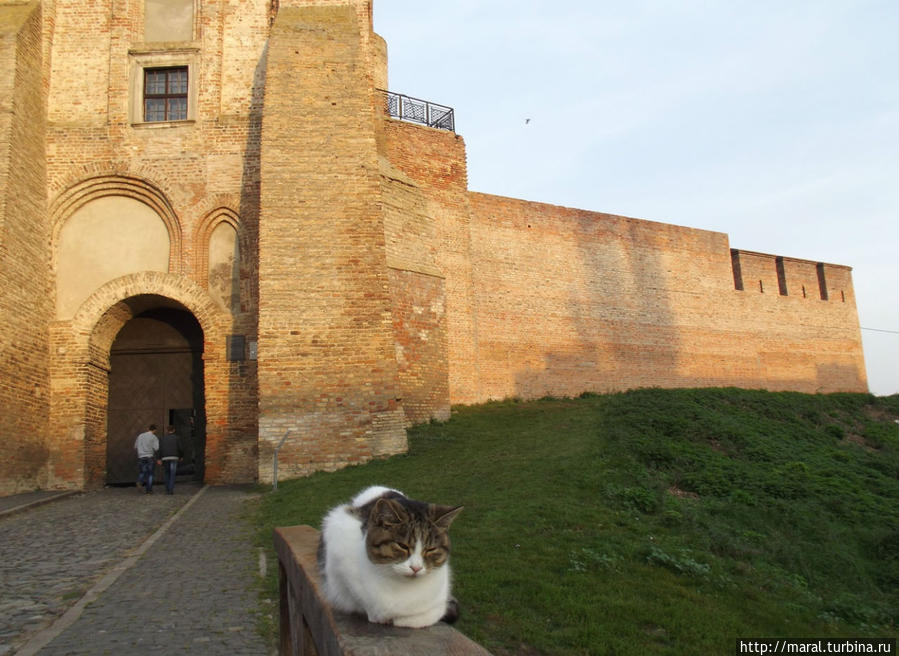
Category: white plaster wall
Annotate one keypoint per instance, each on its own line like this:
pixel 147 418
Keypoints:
pixel 168 20
pixel 103 240
pixel 224 267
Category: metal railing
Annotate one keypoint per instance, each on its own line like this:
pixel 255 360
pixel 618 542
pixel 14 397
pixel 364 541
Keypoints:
pixel 414 110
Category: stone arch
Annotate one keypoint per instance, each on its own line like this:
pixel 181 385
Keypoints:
pixel 103 313
pixel 203 233
pixel 144 191
pixel 82 352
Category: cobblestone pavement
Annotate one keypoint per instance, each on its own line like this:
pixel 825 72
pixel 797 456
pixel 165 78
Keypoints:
pixel 191 592
pixel 27 500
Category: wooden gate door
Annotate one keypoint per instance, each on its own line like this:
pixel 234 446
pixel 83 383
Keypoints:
pixel 155 377
pixel 189 427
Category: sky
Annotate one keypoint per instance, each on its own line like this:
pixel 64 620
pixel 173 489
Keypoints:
pixel 775 122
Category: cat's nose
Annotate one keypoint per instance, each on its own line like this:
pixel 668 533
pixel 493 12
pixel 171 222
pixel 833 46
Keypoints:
pixel 415 568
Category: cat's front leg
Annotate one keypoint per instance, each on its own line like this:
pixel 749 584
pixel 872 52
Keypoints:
pixel 379 619
pixel 419 620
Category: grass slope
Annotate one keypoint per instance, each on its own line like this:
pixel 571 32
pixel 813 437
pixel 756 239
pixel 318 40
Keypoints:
pixel 654 521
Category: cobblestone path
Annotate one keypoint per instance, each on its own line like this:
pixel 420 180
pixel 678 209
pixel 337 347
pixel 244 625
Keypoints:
pixel 191 592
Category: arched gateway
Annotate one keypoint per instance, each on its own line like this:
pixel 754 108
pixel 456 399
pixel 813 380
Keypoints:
pixel 156 377
pixel 144 348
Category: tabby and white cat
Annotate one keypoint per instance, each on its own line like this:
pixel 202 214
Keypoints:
pixel 386 556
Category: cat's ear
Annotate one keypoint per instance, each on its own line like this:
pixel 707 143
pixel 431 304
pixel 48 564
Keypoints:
pixel 443 516
pixel 386 512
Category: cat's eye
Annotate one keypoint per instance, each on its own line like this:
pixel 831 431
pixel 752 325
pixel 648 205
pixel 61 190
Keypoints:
pixel 402 547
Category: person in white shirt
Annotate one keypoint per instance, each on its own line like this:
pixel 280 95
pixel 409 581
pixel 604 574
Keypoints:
pixel 146 444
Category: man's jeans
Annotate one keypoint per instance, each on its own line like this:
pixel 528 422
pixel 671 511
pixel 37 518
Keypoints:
pixel 169 467
pixel 145 472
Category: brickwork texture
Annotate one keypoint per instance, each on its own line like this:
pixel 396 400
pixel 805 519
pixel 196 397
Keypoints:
pixel 347 282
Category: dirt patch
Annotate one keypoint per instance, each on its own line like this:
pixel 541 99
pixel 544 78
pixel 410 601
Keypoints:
pixel 675 491
pixel 858 440
pixel 880 414
pixel 715 444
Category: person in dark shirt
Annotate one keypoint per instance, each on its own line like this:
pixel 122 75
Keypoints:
pixel 170 454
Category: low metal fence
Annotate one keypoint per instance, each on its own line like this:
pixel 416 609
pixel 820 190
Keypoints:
pixel 415 110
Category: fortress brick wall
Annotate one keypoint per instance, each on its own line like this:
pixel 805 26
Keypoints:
pixel 544 299
pixel 346 282
pixel 327 366
pixel 418 297
pixel 24 261
pixel 568 300
pixel 433 164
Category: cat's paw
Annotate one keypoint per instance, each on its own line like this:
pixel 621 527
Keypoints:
pixel 377 619
pixel 419 620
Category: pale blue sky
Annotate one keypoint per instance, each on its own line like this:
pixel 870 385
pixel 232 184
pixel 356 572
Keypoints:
pixel 774 122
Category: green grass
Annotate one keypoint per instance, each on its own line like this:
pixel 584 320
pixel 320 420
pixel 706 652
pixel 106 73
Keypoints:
pixel 653 521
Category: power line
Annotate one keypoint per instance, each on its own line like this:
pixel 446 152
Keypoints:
pixel 879 330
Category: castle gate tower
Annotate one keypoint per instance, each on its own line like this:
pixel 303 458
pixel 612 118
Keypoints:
pixel 217 214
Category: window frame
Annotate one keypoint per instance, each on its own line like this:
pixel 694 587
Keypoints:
pixel 168 94
pixel 143 60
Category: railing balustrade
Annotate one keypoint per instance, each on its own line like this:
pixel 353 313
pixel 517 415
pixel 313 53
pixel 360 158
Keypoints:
pixel 407 108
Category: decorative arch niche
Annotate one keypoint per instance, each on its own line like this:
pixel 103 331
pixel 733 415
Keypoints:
pixel 219 263
pixel 224 266
pixel 108 227
pixel 103 240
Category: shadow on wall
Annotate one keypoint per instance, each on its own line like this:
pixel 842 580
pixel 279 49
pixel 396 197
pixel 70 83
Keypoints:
pixel 619 330
pixel 835 377
pixel 240 455
pixel 23 470
pixel 613 303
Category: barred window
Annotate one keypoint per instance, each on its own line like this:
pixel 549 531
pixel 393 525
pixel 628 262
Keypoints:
pixel 165 94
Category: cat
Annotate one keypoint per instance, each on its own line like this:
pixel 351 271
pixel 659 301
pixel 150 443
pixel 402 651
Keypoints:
pixel 386 556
